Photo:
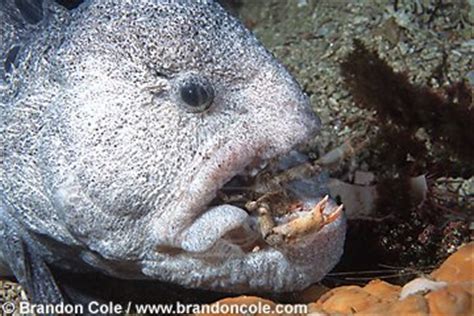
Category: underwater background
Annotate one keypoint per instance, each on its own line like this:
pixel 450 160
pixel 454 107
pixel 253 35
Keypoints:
pixel 392 82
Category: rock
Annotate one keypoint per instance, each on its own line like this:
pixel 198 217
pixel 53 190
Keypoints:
pixel 377 295
pixel 452 300
pixel 347 299
pixel 459 267
pixel 383 289
pixel 414 305
pixel 449 293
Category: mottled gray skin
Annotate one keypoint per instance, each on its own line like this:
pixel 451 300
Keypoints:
pixel 104 169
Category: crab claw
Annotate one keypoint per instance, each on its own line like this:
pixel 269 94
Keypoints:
pixel 313 234
pixel 308 222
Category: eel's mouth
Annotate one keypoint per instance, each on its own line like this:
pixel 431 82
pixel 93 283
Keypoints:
pixel 264 207
pixel 264 227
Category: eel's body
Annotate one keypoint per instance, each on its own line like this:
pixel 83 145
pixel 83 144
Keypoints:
pixel 120 122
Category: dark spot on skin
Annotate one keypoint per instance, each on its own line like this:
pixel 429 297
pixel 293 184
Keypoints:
pixel 11 58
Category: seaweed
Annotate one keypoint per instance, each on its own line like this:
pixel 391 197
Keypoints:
pixel 420 130
pixel 403 108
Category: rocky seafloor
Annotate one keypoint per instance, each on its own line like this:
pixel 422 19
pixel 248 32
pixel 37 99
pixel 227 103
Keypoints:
pixel 411 161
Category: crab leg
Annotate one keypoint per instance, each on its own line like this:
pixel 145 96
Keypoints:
pixel 265 220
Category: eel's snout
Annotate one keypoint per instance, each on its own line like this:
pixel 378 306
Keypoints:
pixel 280 113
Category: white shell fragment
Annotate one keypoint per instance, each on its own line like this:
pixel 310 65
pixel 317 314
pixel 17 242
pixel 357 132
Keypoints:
pixel 422 285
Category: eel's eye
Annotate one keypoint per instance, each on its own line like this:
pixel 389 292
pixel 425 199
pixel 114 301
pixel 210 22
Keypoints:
pixel 196 94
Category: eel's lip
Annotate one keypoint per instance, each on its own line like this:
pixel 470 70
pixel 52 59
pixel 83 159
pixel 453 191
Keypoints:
pixel 223 161
pixel 270 269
